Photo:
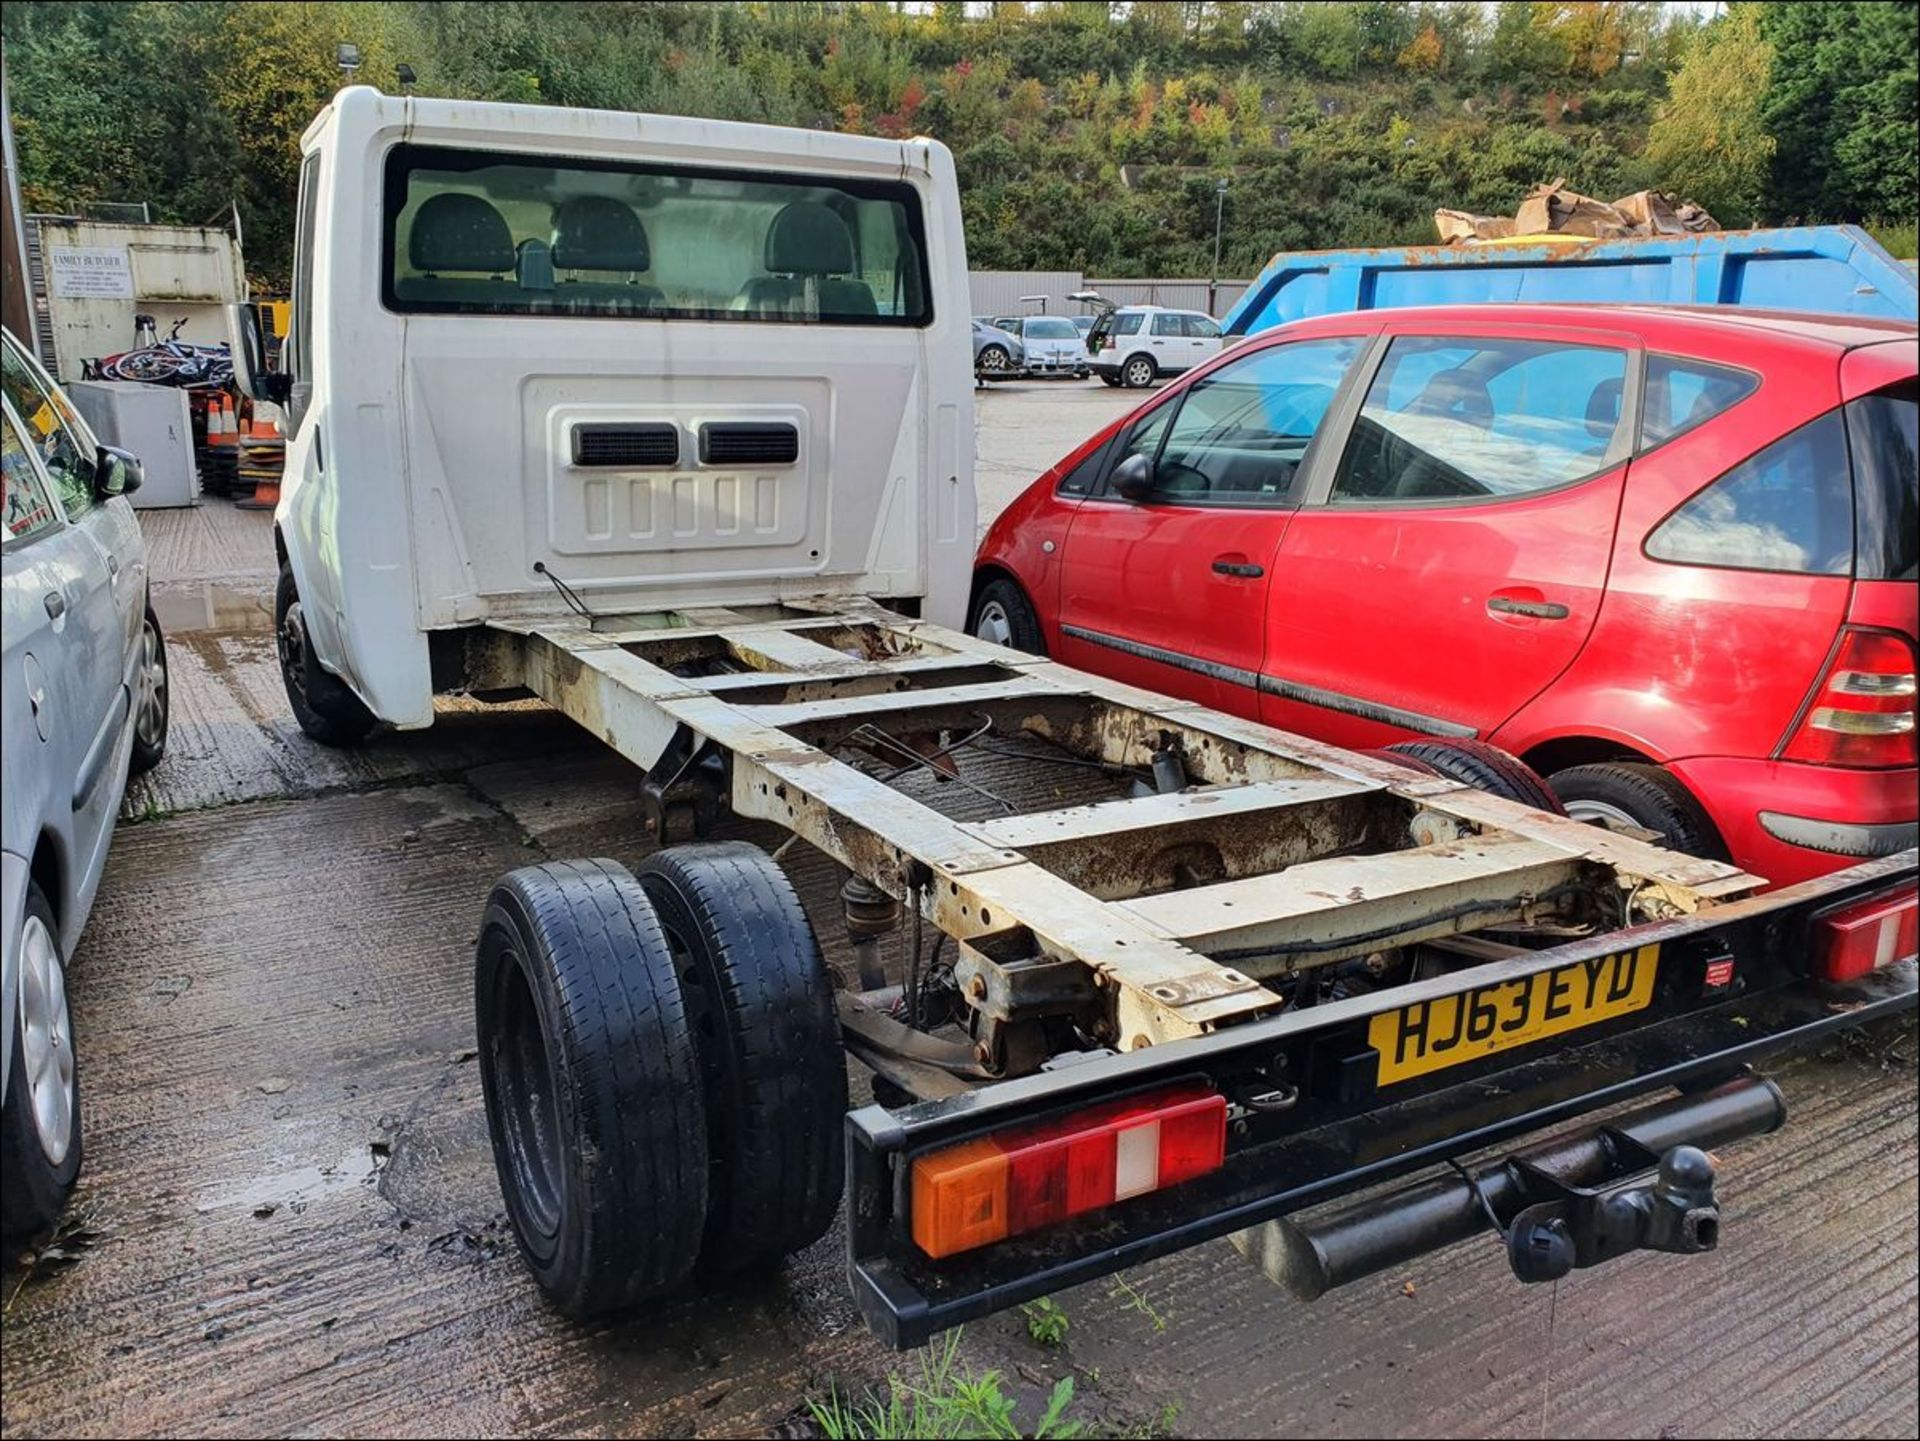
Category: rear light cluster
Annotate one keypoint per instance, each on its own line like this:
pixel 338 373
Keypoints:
pixel 1017 1181
pixel 1862 713
pixel 1868 936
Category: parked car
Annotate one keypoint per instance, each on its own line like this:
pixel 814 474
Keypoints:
pixel 1136 345
pixel 1667 556
pixel 1053 346
pixel 996 353
pixel 82 706
pixel 1084 324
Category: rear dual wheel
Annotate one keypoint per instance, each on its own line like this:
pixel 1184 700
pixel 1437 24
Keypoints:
pixel 662 1067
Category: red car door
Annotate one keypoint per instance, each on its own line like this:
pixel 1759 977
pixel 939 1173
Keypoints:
pixel 1456 559
pixel 1169 592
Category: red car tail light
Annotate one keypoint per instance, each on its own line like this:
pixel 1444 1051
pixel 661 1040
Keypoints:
pixel 1868 936
pixel 1019 1180
pixel 1862 711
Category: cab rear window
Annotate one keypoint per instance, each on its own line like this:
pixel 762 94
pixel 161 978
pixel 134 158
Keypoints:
pixel 483 233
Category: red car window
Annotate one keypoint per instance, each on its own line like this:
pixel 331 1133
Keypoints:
pixel 1241 431
pixel 1788 509
pixel 1683 393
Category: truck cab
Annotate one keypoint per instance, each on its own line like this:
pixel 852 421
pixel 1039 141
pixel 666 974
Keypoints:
pixel 544 360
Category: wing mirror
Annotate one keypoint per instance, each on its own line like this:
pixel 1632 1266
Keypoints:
pixel 116 472
pixel 1132 478
pixel 249 349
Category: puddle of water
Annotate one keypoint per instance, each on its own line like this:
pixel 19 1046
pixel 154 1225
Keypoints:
pixel 291 1190
pixel 220 605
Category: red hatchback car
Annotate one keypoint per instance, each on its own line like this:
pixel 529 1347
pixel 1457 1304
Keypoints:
pixel 1667 556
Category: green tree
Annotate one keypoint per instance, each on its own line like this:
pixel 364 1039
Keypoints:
pixel 1710 139
pixel 1843 108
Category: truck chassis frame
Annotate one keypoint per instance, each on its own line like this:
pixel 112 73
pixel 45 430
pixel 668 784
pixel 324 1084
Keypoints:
pixel 1267 822
pixel 1166 906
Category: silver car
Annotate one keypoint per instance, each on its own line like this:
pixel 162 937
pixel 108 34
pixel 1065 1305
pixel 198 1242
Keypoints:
pixel 997 355
pixel 1053 346
pixel 83 703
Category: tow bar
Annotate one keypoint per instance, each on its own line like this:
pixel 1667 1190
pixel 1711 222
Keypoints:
pixel 1641 1182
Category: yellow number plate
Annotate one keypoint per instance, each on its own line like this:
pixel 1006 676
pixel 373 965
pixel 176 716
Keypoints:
pixel 1452 1030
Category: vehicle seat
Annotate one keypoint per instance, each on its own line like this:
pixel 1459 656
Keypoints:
pixel 1603 410
pixel 459 233
pixel 600 235
pixel 1456 394
pixel 809 254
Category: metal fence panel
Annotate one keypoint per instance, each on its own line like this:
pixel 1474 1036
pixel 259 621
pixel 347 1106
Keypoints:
pixel 999 292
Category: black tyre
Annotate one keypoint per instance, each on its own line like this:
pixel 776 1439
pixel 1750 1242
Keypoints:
pixel 1484 767
pixel 760 1006
pixel 40 1123
pixel 994 361
pixel 1624 793
pixel 323 705
pixel 1139 372
pixel 592 1085
pixel 1002 615
pixel 151 707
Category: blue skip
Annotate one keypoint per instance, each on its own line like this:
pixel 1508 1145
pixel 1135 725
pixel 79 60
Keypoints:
pixel 1829 268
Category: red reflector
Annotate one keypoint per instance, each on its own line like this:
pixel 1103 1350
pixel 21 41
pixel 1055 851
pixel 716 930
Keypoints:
pixel 1719 973
pixel 1875 933
pixel 1017 1181
pixel 1192 1140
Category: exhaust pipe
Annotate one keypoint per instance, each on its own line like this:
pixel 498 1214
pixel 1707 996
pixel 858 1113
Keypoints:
pixel 1639 1182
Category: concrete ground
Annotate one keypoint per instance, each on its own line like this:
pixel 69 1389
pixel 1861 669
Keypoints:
pixel 288 1222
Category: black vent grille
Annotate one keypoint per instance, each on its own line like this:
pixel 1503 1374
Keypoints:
pixel 627 446
pixel 741 442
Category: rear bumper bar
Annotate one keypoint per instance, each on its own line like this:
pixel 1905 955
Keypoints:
pixel 1332 1146
pixel 1373 1233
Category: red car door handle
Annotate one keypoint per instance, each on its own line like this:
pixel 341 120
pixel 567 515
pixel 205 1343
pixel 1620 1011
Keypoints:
pixel 1227 565
pixel 1538 609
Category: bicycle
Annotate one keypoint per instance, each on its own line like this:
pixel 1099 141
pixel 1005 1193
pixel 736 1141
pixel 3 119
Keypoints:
pixel 172 361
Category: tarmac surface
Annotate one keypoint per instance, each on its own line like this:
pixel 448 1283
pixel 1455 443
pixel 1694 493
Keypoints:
pixel 288 1222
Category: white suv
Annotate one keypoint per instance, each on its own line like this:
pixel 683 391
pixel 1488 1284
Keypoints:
pixel 1137 344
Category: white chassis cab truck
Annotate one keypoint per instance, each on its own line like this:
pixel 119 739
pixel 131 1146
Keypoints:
pixel 668 422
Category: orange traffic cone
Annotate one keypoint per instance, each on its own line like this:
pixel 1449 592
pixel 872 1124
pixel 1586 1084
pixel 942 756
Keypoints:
pixel 263 427
pixel 266 492
pixel 262 455
pixel 222 431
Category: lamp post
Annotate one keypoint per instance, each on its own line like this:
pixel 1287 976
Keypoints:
pixel 1213 281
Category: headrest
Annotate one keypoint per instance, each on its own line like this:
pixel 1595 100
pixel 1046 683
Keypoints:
pixel 459 232
pixel 596 232
pixel 1456 394
pixel 1603 408
pixel 806 238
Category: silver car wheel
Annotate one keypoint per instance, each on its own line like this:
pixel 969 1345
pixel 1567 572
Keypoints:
pixel 46 1039
pixel 150 720
pixel 995 361
pixel 993 624
pixel 1138 373
pixel 1599 813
